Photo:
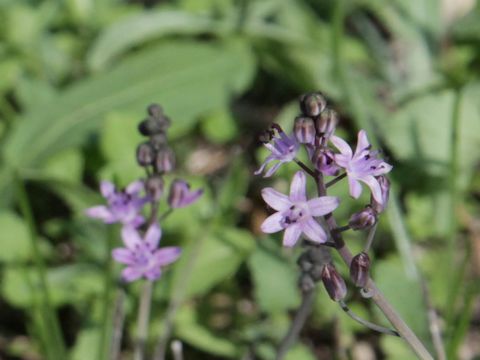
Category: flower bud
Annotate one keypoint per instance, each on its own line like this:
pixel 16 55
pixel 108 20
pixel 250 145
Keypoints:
pixel 312 104
pixel 326 123
pixel 145 154
pixel 385 188
pixel 363 219
pixel 323 160
pixel 359 269
pixel 154 187
pixel 152 125
pixel 180 194
pixel 333 282
pixel 165 160
pixel 304 262
pixel 158 141
pixel 304 130
pixel 155 110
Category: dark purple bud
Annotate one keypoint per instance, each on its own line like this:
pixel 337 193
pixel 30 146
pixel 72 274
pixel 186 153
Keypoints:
pixel 158 141
pixel 312 104
pixel 323 160
pixel 304 262
pixel 363 219
pixel 326 123
pixel 334 283
pixel 359 269
pixel 165 160
pixel 152 125
pixel 304 130
pixel 385 187
pixel 317 271
pixel 155 110
pixel 180 194
pixel 306 282
pixel 154 187
pixel 145 154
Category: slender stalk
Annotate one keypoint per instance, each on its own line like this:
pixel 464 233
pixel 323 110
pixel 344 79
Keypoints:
pixel 297 324
pixel 177 350
pixel 48 310
pixel 366 323
pixel 107 296
pixel 390 313
pixel 334 181
pixel 305 167
pixel 370 237
pixel 143 320
pixel 118 320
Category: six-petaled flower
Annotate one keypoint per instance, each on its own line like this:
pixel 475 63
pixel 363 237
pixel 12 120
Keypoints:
pixel 283 149
pixel 295 213
pixel 363 165
pixel 142 256
pixel 123 206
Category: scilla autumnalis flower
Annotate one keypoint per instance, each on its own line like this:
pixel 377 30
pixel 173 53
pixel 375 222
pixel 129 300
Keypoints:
pixel 142 256
pixel 283 149
pixel 123 206
pixel 295 214
pixel 363 165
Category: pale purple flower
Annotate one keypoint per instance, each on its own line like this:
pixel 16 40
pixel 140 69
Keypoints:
pixel 180 194
pixel 295 214
pixel 283 149
pixel 123 206
pixel 364 165
pixel 142 256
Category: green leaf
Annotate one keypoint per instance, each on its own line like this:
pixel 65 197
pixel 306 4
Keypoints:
pixel 86 344
pixel 219 126
pixel 187 78
pixel 275 280
pixel 189 329
pixel 14 238
pixel 140 28
pixel 215 256
pixel 404 293
pixel 65 166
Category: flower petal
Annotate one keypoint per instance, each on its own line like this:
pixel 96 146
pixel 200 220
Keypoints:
pixel 272 224
pixel 166 255
pixel 375 188
pixel 135 187
pixel 153 235
pixel 382 168
pixel 314 231
pixel 297 187
pixel 291 235
pixel 355 187
pixel 273 169
pixel 323 205
pixel 362 142
pixel 137 221
pixel 276 200
pixel 107 188
pixel 123 256
pixel 101 212
pixel 153 273
pixel 131 237
pixel 131 273
pixel 269 159
pixel 342 146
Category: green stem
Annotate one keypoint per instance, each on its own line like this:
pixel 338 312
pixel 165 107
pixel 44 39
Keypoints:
pixel 48 310
pixel 107 297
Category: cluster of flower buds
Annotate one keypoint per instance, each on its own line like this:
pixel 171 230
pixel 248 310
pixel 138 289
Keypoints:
pixel 330 155
pixel 141 252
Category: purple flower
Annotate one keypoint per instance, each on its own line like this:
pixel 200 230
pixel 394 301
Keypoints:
pixel 363 166
pixel 283 148
pixel 123 206
pixel 180 194
pixel 142 256
pixel 295 213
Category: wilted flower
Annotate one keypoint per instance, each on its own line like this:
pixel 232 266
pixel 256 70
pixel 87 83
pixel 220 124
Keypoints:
pixel 123 206
pixel 142 256
pixel 363 166
pixel 295 213
pixel 180 194
pixel 283 148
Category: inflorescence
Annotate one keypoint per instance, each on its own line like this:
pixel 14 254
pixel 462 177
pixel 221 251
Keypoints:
pixel 141 236
pixel 298 214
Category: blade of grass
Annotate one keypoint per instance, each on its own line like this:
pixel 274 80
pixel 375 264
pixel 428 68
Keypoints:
pixel 55 343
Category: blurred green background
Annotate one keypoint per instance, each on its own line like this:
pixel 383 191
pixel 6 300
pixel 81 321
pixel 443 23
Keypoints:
pixel 75 78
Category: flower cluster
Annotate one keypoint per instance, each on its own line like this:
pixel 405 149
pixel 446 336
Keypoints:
pixel 329 155
pixel 141 253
